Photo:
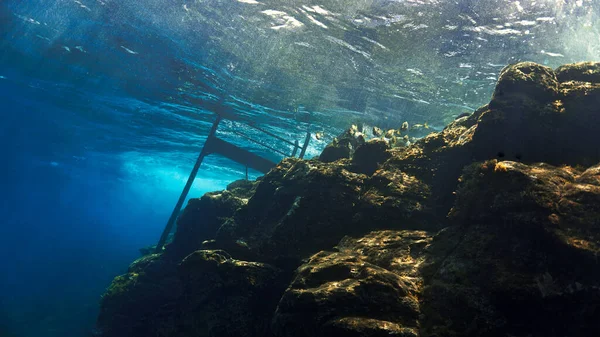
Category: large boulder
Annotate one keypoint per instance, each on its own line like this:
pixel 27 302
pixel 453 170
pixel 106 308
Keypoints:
pixel 142 301
pixel 302 207
pixel 369 156
pixel 207 294
pixel 343 146
pixel 299 208
pixel 226 297
pixel 534 116
pixel 579 72
pixel 202 217
pixel 525 85
pixel 522 257
pixel 369 287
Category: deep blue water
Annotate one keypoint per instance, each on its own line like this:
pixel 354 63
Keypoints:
pixel 73 212
pixel 101 110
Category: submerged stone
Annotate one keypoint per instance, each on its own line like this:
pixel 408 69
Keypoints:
pixel 370 155
pixel 519 261
pixel 488 228
pixel 581 72
pixel 202 217
pixel 524 84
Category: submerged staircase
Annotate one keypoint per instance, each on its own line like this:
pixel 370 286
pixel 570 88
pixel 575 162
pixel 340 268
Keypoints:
pixel 218 146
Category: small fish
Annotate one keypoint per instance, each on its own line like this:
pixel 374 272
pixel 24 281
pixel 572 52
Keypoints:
pixel 319 135
pixel 464 114
pixel 420 126
pixel 241 243
pixel 404 126
pixel 129 50
pixel 377 131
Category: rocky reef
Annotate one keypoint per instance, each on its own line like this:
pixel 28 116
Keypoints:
pixel 490 227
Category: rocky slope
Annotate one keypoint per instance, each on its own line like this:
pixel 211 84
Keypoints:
pixel 490 227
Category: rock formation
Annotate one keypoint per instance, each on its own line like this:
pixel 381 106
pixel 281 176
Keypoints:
pixel 490 227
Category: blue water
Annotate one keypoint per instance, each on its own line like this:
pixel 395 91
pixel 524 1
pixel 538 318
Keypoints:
pixel 101 110
pixel 94 156
pixel 87 178
pixel 77 202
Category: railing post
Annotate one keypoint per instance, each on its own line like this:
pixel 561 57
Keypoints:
pixel 296 146
pixel 188 185
pixel 306 141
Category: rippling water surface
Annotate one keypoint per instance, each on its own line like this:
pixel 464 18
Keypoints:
pixel 105 104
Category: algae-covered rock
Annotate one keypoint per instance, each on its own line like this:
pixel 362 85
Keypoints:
pixel 532 118
pixel 299 208
pixel 346 293
pixel 393 199
pixel 519 261
pixel 535 118
pixel 523 119
pixel 343 146
pixel 207 294
pixel 581 72
pixel 488 228
pixel 141 302
pixel 367 150
pixel 202 217
pixel 227 297
pixel 524 84
pixel 580 106
pixel 369 156
pixel 302 207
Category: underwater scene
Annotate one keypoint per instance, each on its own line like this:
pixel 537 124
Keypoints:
pixel 300 168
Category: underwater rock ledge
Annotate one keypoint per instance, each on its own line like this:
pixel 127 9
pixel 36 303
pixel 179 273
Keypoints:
pixel 490 227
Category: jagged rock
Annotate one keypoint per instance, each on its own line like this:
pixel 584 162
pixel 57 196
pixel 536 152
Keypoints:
pixel 227 297
pixel 520 260
pixel 343 146
pixel 207 294
pixel 581 72
pixel 202 217
pixel 522 257
pixel 140 303
pixel 299 208
pixel 369 156
pixel 532 118
pixel 524 85
pixel 346 293
pixel 516 257
pixel 393 199
pixel 436 161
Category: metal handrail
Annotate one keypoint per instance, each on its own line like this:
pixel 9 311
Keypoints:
pixel 208 148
